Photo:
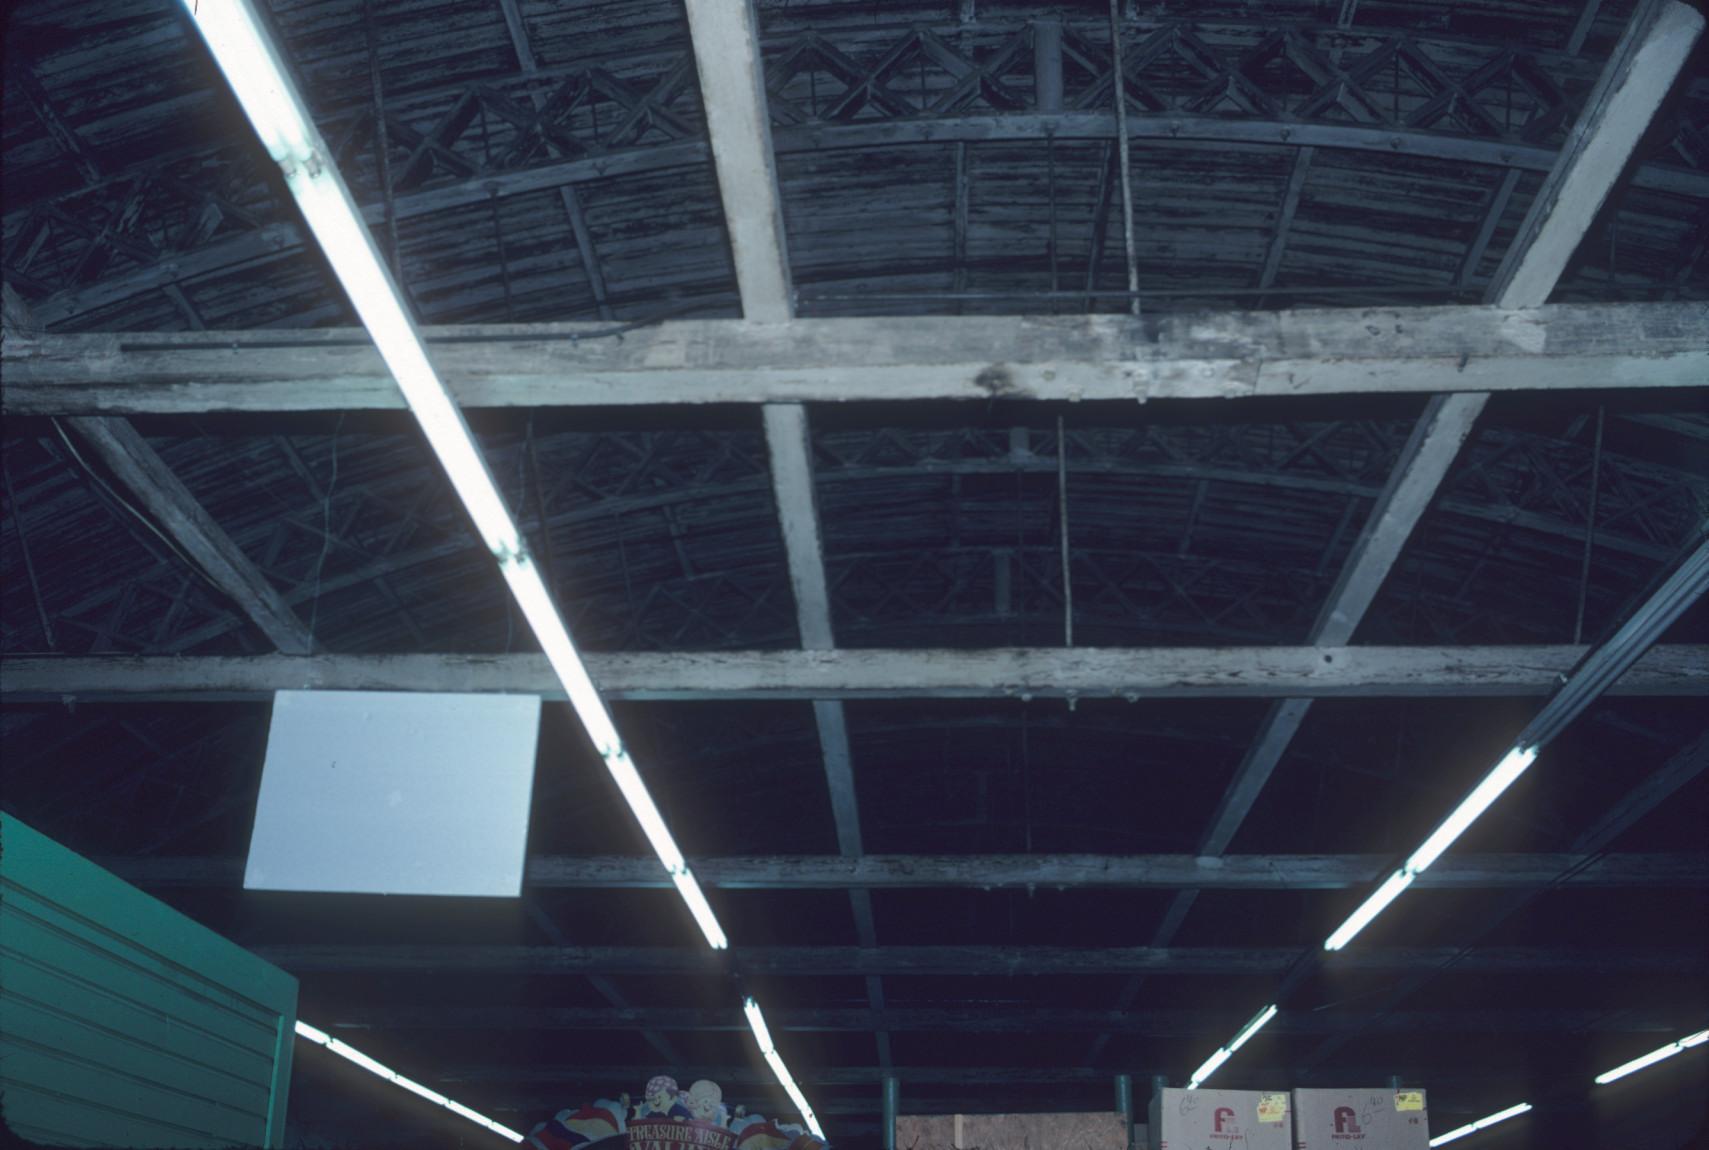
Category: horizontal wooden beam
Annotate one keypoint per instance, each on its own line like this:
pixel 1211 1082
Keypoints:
pixel 604 1079
pixel 1219 355
pixel 1011 672
pixel 304 958
pixel 988 1019
pixel 991 872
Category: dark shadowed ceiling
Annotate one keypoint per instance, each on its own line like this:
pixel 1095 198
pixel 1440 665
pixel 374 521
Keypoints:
pixel 527 162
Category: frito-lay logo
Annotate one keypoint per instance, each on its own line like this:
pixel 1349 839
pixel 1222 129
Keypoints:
pixel 1224 1114
pixel 1345 1121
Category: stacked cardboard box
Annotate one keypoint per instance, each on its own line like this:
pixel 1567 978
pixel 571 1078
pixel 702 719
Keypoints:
pixel 1220 1120
pixel 1375 1119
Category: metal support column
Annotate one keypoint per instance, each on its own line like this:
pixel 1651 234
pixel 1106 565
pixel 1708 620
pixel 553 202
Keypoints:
pixel 1124 1106
pixel 891 1092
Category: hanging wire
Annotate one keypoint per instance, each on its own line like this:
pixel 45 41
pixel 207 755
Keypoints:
pixel 1062 516
pixel 326 529
pixel 135 512
pixel 1589 529
pixel 382 145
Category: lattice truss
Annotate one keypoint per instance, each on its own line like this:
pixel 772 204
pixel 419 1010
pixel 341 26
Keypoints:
pixel 667 539
pixel 446 149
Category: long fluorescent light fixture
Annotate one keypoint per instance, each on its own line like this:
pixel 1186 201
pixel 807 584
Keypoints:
pixel 1512 765
pixel 345 1050
pixel 1253 1025
pixel 1481 1124
pixel 252 66
pixel 762 1035
pixel 1653 1057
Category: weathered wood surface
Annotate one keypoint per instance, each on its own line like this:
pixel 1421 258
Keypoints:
pixel 1634 81
pixel 990 872
pixel 1018 672
pixel 1215 355
pixel 725 35
pixel 302 958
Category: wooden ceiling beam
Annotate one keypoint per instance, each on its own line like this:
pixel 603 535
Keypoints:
pixel 1218 355
pixel 841 961
pixel 727 57
pixel 984 1018
pixel 1264 872
pixel 1679 670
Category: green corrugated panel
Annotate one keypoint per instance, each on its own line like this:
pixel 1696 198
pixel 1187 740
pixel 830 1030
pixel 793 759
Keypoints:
pixel 123 1023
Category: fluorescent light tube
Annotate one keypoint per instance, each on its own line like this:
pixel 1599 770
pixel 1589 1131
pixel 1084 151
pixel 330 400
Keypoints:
pixel 1481 1124
pixel 414 1087
pixel 1369 909
pixel 1252 1027
pixel 523 576
pixel 253 70
pixel 689 889
pixel 345 1050
pixel 1209 1068
pixel 378 1069
pixel 756 1023
pixel 1223 1053
pixel 1512 765
pixel 1500 777
pixel 251 64
pixel 1652 1057
pixel 762 1035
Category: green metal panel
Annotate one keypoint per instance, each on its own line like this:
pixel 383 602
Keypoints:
pixel 124 1023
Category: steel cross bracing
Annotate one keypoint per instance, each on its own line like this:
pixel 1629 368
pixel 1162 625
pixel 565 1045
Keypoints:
pixel 653 573
pixel 142 229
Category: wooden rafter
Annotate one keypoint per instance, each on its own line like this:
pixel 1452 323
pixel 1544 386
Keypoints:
pixel 1616 962
pixel 1268 872
pixel 148 480
pixel 733 94
pixel 984 1019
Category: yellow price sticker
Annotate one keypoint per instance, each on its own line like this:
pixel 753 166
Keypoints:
pixel 1272 1107
pixel 1409 1100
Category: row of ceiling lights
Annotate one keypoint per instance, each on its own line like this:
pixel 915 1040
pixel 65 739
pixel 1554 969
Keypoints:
pixel 1602 1079
pixel 253 67
pixel 1598 669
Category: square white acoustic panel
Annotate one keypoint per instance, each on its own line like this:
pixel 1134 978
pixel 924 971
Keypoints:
pixel 378 792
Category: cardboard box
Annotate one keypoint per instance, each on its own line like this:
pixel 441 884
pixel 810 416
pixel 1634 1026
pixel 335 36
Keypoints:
pixel 1221 1120
pixel 1092 1131
pixel 1374 1119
